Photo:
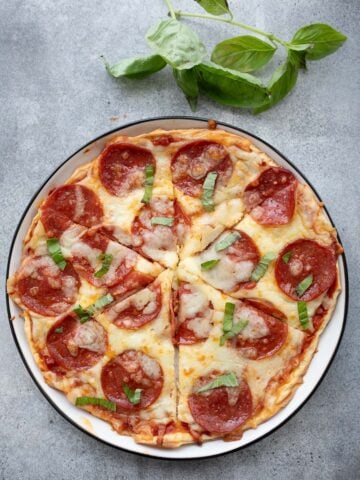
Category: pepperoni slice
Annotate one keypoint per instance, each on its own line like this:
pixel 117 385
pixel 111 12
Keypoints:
pixel 75 346
pixel 194 315
pixel 137 310
pixel 70 203
pixel 192 162
pixel 85 258
pixel 136 370
pixel 270 198
pixel 44 288
pixel 153 240
pixel 223 409
pixel 122 168
pixel 263 336
pixel 236 263
pixel 307 258
pixel 131 283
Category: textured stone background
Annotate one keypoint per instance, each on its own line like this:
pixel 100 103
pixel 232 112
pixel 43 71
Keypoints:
pixel 55 96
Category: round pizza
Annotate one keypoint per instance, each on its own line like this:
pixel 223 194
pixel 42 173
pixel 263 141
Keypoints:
pixel 177 285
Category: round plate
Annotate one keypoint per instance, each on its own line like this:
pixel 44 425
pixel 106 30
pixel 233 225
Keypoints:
pixel 101 430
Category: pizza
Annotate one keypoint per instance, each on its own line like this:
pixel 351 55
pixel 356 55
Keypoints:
pixel 177 285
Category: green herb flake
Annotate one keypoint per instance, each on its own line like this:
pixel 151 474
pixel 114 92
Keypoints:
pixel 134 396
pixel 106 259
pixel 54 249
pixel 227 241
pixel 226 380
pixel 304 285
pixel 59 330
pixel 261 268
pixel 235 330
pixel 85 314
pixel 208 191
pixel 303 314
pixel 99 402
pixel 210 264
pixel 166 221
pixel 286 257
pixel 148 184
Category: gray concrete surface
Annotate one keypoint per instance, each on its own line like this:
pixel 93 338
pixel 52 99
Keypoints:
pixel 55 96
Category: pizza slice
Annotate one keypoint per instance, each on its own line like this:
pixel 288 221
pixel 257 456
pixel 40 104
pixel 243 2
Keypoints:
pixel 233 373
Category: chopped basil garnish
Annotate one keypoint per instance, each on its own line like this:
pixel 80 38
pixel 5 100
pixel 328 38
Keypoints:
pixel 134 396
pixel 235 330
pixel 149 182
pixel 209 264
pixel 166 221
pixel 286 257
pixel 85 314
pixel 303 314
pixel 59 330
pixel 261 268
pixel 55 252
pixel 208 191
pixel 106 259
pixel 304 285
pixel 227 241
pixel 228 316
pixel 99 402
pixel 226 380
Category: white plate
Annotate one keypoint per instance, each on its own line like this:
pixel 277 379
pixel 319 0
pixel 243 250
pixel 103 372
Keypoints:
pixel 101 430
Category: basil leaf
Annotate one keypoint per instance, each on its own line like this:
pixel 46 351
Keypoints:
pixel 304 285
pixel 54 249
pixel 134 396
pixel 209 264
pixel 324 40
pixel 303 314
pixel 100 402
pixel 106 259
pixel 235 330
pixel 226 380
pixel 179 46
pixel 85 314
pixel 101 302
pixel 227 241
pixel 215 7
pixel 286 257
pixel 187 82
pixel 230 87
pixel 59 330
pixel 282 81
pixel 149 182
pixel 261 268
pixel 245 53
pixel 208 191
pixel 166 221
pixel 228 316
pixel 137 67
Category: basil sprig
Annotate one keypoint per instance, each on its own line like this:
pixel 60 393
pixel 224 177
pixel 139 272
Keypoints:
pixel 54 250
pixel 99 402
pixel 134 396
pixel 84 314
pixel 226 380
pixel 226 79
pixel 106 259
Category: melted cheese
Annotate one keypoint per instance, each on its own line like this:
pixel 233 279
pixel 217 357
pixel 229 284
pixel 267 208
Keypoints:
pixel 89 335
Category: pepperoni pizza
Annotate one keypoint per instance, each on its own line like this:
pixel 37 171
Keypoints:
pixel 177 285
